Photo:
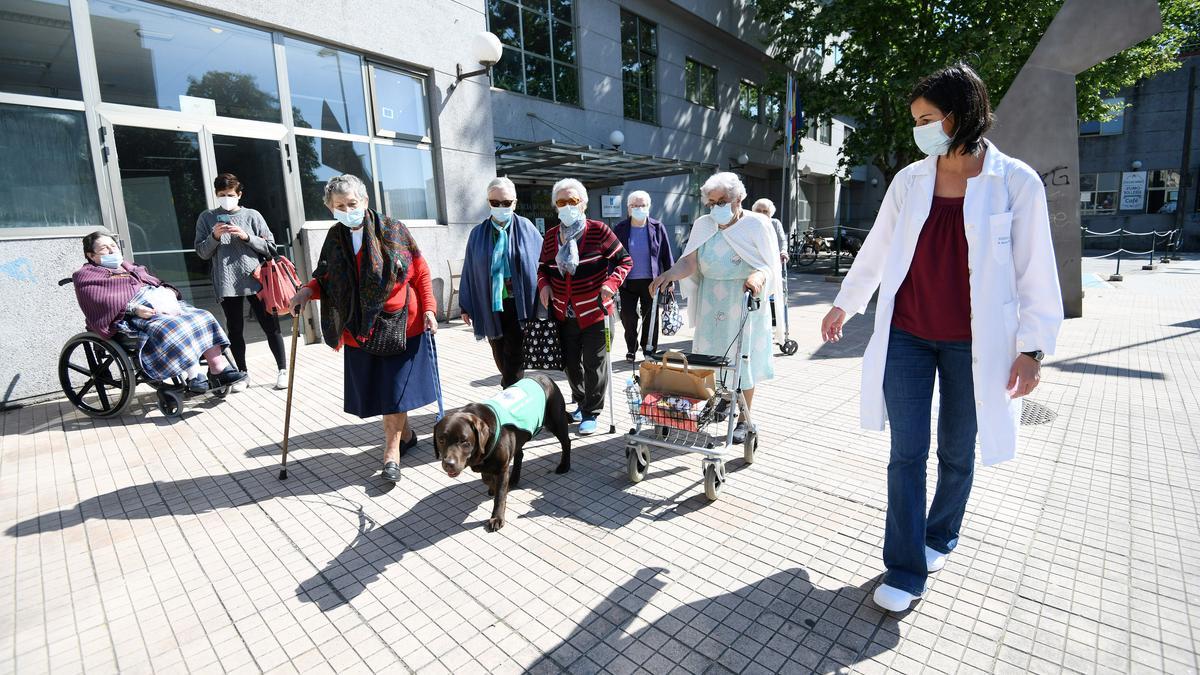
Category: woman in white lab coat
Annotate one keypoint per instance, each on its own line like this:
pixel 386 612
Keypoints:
pixel 968 290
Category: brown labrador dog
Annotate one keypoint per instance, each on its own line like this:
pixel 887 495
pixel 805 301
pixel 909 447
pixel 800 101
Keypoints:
pixel 464 439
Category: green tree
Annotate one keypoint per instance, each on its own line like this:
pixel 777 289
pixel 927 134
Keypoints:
pixel 885 46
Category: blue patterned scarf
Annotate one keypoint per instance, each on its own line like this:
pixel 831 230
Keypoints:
pixel 501 269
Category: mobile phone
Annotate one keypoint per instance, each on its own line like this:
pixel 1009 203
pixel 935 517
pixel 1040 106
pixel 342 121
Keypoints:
pixel 224 218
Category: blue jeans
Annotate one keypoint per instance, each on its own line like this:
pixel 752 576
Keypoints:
pixel 908 394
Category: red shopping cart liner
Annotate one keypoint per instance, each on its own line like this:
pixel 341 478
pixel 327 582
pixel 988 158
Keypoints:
pixel 678 412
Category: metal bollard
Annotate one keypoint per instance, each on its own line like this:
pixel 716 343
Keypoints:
pixel 1149 266
pixel 1120 252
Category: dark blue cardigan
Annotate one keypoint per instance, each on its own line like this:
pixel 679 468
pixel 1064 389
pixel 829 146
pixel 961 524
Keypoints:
pixel 661 258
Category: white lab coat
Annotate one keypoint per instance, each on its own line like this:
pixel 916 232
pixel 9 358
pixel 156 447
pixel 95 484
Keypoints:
pixel 1016 305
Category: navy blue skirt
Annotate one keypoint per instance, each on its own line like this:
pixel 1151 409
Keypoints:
pixel 383 385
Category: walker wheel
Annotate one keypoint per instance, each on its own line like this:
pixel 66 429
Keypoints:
pixel 638 462
pixel 712 482
pixel 221 392
pixel 789 347
pixel 750 446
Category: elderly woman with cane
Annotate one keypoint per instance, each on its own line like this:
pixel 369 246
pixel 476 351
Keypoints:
pixel 376 303
pixel 582 266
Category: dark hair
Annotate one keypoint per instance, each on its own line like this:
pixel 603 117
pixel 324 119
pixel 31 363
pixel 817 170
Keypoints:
pixel 89 242
pixel 227 181
pixel 957 90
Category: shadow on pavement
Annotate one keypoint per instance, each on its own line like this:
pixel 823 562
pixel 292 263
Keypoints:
pixel 783 623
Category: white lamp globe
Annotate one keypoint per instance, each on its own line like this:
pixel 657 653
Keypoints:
pixel 616 138
pixel 486 49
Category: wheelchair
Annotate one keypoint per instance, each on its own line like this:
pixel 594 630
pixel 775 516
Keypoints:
pixel 99 375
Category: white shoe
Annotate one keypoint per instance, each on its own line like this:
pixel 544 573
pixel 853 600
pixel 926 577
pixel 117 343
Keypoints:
pixel 934 560
pixel 242 384
pixel 893 599
pixel 281 379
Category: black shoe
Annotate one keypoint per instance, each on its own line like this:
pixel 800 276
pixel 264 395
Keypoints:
pixel 411 443
pixel 197 385
pixel 391 472
pixel 739 433
pixel 629 357
pixel 226 377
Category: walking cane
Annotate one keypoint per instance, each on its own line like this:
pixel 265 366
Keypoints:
pixel 287 415
pixel 612 427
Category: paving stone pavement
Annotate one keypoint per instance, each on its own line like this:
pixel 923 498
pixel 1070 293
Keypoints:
pixel 146 544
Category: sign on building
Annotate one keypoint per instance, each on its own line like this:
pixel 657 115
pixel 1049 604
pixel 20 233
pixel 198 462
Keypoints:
pixel 1133 191
pixel 610 206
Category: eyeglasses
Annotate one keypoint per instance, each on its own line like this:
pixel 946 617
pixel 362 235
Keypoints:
pixel 505 203
pixel 723 202
pixel 569 201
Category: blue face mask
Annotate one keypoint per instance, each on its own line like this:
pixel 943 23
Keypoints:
pixel 111 260
pixel 569 215
pixel 722 213
pixel 352 219
pixel 931 138
pixel 640 212
pixel 502 213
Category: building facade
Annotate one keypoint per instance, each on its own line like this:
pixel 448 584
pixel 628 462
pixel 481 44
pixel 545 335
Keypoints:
pixel 1130 168
pixel 118 114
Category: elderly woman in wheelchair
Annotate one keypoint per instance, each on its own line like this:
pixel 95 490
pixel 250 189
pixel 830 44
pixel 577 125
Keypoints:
pixel 124 304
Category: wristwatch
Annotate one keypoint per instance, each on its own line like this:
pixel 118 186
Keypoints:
pixel 1037 355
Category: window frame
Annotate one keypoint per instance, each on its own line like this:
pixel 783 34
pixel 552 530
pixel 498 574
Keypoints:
pixel 522 51
pixel 743 86
pixel 1165 189
pixel 700 68
pixel 1116 193
pixel 642 54
pixel 1100 127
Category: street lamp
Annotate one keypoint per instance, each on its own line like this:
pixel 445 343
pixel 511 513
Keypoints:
pixel 1136 165
pixel 486 49
pixel 616 138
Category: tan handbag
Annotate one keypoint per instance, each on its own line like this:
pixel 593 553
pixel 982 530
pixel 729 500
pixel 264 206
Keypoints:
pixel 682 380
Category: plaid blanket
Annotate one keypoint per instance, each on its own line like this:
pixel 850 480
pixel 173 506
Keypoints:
pixel 169 345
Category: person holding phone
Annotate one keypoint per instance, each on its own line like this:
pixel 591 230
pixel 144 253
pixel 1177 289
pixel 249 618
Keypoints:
pixel 236 239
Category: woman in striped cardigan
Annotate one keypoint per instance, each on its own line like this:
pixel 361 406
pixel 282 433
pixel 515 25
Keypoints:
pixel 582 265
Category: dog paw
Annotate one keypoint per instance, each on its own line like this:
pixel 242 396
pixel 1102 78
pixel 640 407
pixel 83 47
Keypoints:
pixel 494 524
pixel 563 468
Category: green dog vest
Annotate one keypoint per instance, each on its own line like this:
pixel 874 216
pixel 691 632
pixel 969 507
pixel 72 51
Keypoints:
pixel 523 405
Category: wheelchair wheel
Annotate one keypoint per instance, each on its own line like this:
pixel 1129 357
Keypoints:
pixel 170 402
pixel 96 375
pixel 789 347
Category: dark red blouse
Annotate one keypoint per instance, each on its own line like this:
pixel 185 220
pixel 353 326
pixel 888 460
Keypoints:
pixel 934 302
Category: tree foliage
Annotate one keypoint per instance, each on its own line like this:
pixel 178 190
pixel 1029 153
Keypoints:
pixel 885 46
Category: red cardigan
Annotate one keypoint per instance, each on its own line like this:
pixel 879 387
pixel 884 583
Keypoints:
pixel 602 262
pixel 420 301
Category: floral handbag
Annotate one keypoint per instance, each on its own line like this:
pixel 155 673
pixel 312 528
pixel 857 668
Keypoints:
pixel 543 348
pixel 672 317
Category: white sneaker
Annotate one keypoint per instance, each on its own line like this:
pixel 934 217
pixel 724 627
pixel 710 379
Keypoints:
pixel 893 599
pixel 934 560
pixel 281 379
pixel 241 385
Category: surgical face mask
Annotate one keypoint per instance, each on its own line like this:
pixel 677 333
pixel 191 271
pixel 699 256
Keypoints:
pixel 227 203
pixel 640 212
pixel 502 213
pixel 569 215
pixel 931 138
pixel 111 260
pixel 352 218
pixel 722 213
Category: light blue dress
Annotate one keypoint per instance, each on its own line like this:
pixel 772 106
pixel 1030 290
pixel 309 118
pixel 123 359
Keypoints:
pixel 722 284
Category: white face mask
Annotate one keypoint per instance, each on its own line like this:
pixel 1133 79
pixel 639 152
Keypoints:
pixel 569 215
pixel 352 219
pixel 640 212
pixel 722 213
pixel 931 138
pixel 502 213
pixel 111 260
pixel 228 203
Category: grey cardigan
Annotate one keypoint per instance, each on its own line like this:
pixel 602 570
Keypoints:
pixel 234 260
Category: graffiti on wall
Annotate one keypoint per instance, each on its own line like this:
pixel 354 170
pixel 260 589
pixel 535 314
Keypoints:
pixel 20 269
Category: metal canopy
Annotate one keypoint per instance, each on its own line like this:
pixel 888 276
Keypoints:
pixel 545 162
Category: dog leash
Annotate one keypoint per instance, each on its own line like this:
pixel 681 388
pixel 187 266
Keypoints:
pixel 437 378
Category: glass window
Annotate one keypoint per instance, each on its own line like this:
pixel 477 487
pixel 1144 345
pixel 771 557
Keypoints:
pixel 320 159
pixel 151 55
pixel 639 61
pixel 400 103
pixel 406 182
pixel 539 54
pixel 748 100
pixel 701 85
pixel 37 49
pixel 773 110
pixel 825 132
pixel 1162 191
pixel 1098 193
pixel 327 88
pixel 1110 128
pixel 59 189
